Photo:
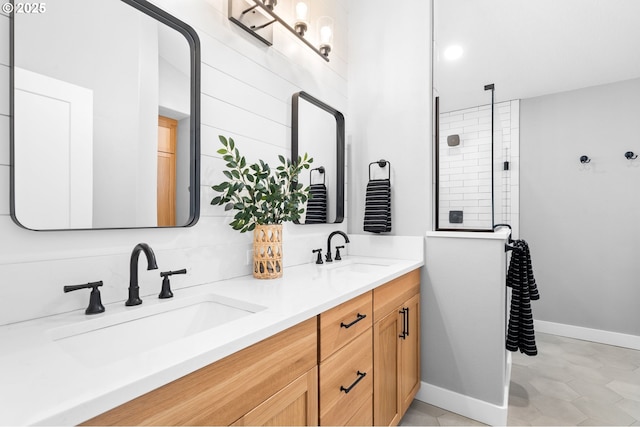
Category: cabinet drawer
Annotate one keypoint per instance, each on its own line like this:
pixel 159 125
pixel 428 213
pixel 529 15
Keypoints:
pixel 343 323
pixel 346 381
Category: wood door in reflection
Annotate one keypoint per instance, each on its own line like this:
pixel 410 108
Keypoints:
pixel 167 135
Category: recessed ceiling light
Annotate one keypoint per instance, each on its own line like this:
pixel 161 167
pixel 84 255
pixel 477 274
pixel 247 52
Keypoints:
pixel 453 52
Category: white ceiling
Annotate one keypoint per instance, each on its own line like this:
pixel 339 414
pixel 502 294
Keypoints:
pixel 530 48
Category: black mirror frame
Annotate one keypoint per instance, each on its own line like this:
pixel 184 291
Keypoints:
pixel 340 145
pixel 194 122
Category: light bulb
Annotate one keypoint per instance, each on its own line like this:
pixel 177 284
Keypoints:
pixel 326 34
pixel 302 11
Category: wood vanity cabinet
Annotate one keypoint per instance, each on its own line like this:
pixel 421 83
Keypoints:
pixel 355 364
pixel 396 347
pixel 271 382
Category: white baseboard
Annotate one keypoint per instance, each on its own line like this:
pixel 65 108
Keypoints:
pixel 469 407
pixel 588 334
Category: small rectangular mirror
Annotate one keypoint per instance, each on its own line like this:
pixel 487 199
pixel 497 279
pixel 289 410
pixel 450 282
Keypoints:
pixel 105 117
pixel 318 129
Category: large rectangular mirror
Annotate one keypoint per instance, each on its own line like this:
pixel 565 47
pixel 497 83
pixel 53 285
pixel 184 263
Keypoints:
pixel 318 129
pixel 105 117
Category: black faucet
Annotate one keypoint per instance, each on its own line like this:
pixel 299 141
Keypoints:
pixel 134 289
pixel 327 257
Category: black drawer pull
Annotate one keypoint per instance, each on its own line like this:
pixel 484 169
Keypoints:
pixel 359 317
pixel 361 375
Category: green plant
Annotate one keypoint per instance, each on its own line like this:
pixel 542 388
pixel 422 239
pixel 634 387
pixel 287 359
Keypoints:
pixel 261 195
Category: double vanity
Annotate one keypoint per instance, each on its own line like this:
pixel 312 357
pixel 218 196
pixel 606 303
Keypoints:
pixel 336 343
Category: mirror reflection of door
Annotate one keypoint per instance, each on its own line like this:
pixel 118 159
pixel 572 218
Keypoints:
pixel 167 135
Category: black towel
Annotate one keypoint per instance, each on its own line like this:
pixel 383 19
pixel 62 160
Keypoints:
pixel 377 209
pixel 317 205
pixel 520 333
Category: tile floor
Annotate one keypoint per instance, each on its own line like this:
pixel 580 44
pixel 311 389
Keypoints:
pixel 570 382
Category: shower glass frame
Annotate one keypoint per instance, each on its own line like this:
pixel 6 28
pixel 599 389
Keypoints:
pixel 436 143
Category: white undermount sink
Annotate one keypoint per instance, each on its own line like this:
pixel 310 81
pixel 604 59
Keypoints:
pixel 139 329
pixel 352 266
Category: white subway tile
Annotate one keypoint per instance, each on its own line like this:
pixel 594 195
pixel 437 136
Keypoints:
pixel 467 123
pixel 451 118
pixel 468 137
pixel 474 114
pixel 462 190
pixel 472 128
pixel 463 203
pixel 484 189
pixel 477 196
pixel 486 202
pixel 451 197
pixel 477 169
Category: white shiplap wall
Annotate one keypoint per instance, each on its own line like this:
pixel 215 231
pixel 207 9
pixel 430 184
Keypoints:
pixel 246 93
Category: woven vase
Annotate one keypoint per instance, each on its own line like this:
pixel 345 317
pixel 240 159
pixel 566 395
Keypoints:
pixel 267 251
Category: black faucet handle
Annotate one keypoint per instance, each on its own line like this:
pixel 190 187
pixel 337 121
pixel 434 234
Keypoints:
pixel 338 257
pixel 319 259
pixel 171 273
pixel 165 292
pixel 95 302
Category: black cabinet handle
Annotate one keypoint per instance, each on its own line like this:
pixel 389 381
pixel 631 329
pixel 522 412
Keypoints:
pixel 405 317
pixel 359 317
pixel 361 375
pixel 407 320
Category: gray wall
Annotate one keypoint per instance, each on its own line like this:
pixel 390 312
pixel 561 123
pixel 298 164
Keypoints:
pixel 583 221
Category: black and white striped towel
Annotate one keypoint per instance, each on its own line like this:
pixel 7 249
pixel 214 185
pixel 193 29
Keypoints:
pixel 317 205
pixel 377 208
pixel 520 333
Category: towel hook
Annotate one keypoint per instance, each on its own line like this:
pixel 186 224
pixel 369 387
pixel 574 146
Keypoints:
pixel 382 163
pixel 630 155
pixel 585 159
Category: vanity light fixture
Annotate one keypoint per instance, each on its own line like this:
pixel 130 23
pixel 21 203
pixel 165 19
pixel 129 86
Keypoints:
pixel 301 11
pixel 257 16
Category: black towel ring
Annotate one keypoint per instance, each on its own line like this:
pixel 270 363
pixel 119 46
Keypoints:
pixel 320 171
pixel 382 163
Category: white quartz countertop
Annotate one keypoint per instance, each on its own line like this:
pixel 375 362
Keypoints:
pixel 46 383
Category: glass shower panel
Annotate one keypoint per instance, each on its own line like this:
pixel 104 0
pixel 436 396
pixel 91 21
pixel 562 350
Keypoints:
pixel 465 167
